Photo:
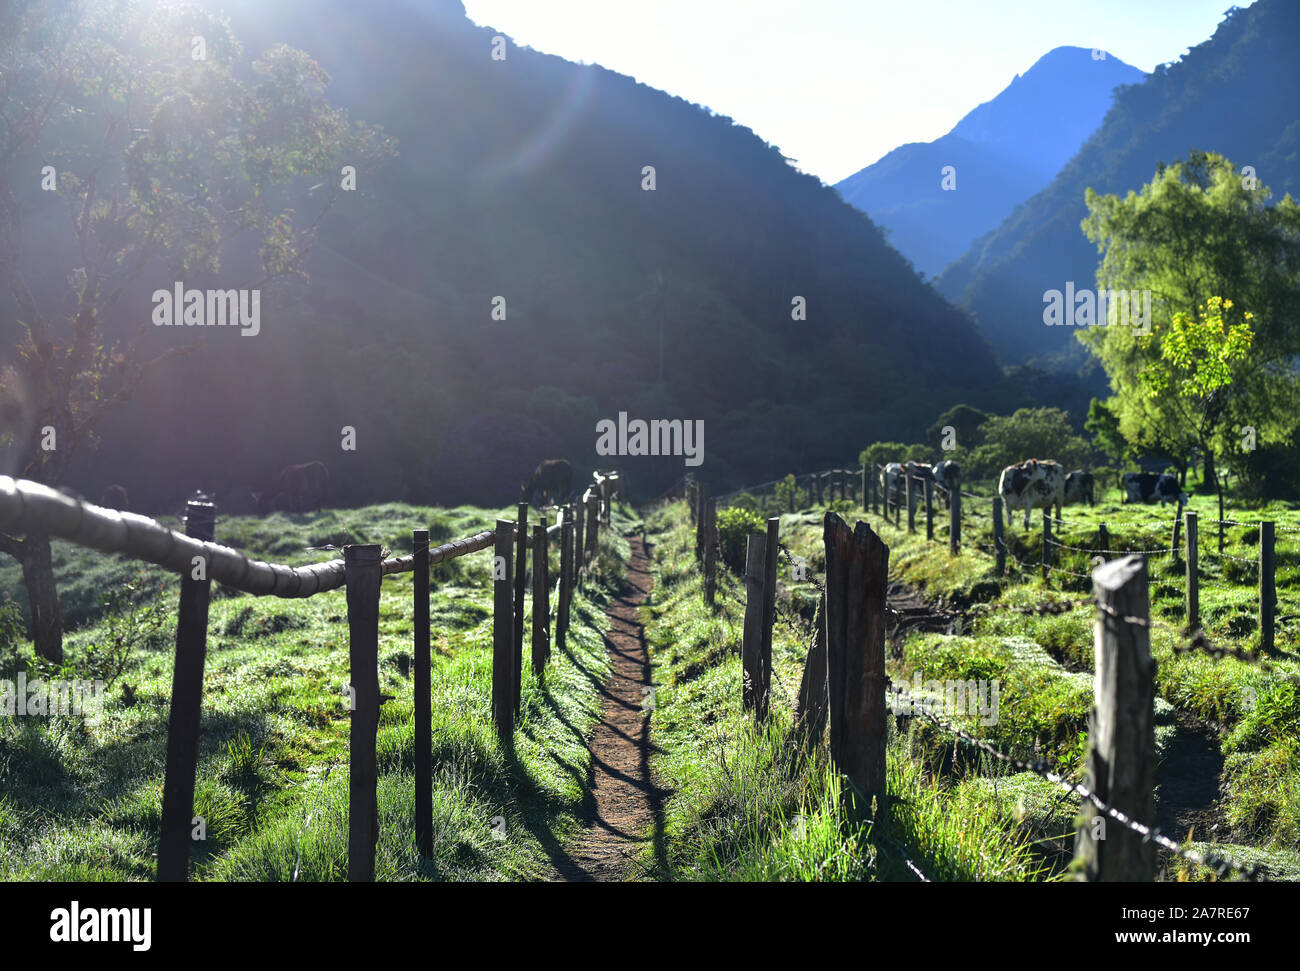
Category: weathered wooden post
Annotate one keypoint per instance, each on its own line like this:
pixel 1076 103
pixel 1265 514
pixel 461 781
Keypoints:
pixel 857 567
pixel 1121 761
pixel 541 598
pixel 771 548
pixel 700 517
pixel 810 715
pixel 363 565
pixel 909 498
pixel 868 489
pixel 566 577
pixel 503 648
pixel 1178 523
pixel 711 555
pixel 1193 575
pixel 954 521
pixel 593 528
pixel 579 523
pixel 752 639
pixel 521 579
pixel 1103 540
pixel 1267 593
pixel 1047 542
pixel 175 833
pixel 929 510
pixel 423 704
pixel 999 538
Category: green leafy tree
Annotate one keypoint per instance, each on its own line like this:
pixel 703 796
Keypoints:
pixel 1029 433
pixel 965 422
pixel 163 150
pixel 788 495
pixel 1197 234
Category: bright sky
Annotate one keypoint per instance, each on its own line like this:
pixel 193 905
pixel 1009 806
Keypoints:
pixel 838 83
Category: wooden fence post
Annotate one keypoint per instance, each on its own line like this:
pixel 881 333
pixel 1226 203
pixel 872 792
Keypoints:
pixel 857 567
pixel 503 648
pixel 929 510
pixel 521 580
pixel 363 566
pixel 954 521
pixel 752 638
pixel 566 577
pixel 703 499
pixel 1267 593
pixel 1121 761
pixel 541 598
pixel 423 704
pixel 579 523
pixel 593 528
pixel 1047 542
pixel 1178 523
pixel 711 554
pixel 771 548
pixel 868 488
pixel 175 832
pixel 1193 574
pixel 911 506
pixel 999 538
pixel 810 715
pixel 1103 540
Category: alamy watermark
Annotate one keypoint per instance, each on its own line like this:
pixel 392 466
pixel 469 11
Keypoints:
pixel 978 699
pixel 655 437
pixel 45 699
pixel 208 308
pixel 1089 308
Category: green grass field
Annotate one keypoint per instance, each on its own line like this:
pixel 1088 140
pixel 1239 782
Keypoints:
pixel 747 808
pixel 82 801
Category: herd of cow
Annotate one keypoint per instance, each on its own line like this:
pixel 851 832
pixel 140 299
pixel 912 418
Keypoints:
pixel 305 487
pixel 1030 485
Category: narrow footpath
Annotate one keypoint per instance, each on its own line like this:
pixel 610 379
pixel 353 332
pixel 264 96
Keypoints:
pixel 625 801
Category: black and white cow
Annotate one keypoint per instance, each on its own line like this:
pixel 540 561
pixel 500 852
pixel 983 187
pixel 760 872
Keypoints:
pixel 919 473
pixel 1078 488
pixel 1035 484
pixel 1150 487
pixel 947 475
pixel 891 483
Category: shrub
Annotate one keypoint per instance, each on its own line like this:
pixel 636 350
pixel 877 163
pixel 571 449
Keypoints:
pixel 735 523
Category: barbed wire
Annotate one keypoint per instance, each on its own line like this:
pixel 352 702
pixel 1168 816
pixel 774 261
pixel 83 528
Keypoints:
pixel 1084 549
pixel 1219 864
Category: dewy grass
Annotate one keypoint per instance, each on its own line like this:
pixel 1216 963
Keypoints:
pixel 83 801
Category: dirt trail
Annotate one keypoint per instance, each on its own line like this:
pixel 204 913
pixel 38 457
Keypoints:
pixel 625 802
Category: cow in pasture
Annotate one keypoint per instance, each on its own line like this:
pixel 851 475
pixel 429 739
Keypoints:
pixel 1078 488
pixel 298 488
pixel 919 473
pixel 1150 487
pixel 947 475
pixel 607 486
pixel 553 479
pixel 891 483
pixel 1035 484
pixel 114 497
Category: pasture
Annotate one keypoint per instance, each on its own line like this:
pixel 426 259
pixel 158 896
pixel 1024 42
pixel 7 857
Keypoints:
pixel 82 801
pixel 1227 730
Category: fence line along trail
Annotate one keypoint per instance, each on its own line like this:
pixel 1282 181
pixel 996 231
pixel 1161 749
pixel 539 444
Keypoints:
pixel 625 802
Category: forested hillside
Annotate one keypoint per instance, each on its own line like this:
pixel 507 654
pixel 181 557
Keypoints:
pixel 1235 94
pixel 522 178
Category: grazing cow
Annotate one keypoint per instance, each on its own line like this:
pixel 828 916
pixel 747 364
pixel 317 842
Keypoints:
pixel 1078 487
pixel 300 488
pixel 114 497
pixel 947 475
pixel 919 473
pixel 891 483
pixel 553 478
pixel 607 486
pixel 1035 484
pixel 1149 487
